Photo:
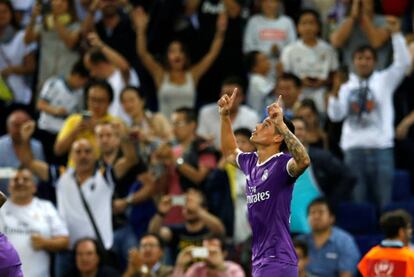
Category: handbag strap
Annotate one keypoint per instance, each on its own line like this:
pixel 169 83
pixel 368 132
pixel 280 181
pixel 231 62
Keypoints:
pixel 88 211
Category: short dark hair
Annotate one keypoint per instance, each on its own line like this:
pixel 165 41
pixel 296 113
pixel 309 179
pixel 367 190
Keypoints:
pixel 160 241
pixel 251 59
pixel 291 127
pixel 101 84
pixel 190 113
pixel 234 80
pixel 221 238
pixel 364 48
pixel 301 245
pixel 291 77
pixel 137 91
pixel 243 132
pixel 321 201
pixel 309 103
pixel 391 222
pixel 79 69
pixel 99 250
pixel 96 56
pixel 315 14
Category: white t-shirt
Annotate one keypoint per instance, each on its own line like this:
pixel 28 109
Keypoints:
pixel 19 223
pixel 315 62
pixel 259 88
pixel 118 84
pixel 97 191
pixel 14 53
pixel 209 117
pixel 56 92
pixel 262 33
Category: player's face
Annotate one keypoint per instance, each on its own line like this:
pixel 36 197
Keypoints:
pixel 319 217
pixel 265 133
pixel 364 63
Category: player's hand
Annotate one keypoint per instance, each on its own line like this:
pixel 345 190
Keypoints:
pixel 226 102
pixel 275 112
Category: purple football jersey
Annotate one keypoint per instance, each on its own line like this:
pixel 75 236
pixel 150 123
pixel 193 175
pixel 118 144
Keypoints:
pixel 269 193
pixel 9 259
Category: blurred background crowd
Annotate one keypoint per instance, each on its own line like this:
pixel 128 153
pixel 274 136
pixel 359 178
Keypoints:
pixel 110 138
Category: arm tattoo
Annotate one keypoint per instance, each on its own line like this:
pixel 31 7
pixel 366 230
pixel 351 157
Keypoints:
pixel 297 150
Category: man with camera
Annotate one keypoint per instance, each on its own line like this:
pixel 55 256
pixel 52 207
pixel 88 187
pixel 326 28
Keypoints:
pixel 198 222
pixel 207 260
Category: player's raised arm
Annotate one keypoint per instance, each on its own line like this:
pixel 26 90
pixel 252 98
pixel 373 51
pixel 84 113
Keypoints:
pixel 228 141
pixel 300 160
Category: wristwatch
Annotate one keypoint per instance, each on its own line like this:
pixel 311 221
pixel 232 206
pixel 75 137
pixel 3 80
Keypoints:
pixel 179 161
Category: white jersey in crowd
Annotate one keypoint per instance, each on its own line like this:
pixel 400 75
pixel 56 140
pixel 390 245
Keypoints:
pixel 259 88
pixel 262 33
pixel 370 125
pixel 19 223
pixel 117 83
pixel 56 92
pixel 242 229
pixel 97 191
pixel 209 116
pixel 314 62
pixel 12 54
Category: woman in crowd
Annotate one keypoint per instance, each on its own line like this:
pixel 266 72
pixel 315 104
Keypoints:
pixel 17 60
pixel 58 35
pixel 176 81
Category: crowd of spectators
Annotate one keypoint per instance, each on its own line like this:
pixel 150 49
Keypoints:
pixel 110 141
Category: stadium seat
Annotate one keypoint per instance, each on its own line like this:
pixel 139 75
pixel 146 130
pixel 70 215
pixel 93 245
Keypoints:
pixel 366 242
pixel 357 218
pixel 405 205
pixel 401 189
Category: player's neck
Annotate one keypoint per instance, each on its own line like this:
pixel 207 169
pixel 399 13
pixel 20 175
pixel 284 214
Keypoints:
pixel 265 152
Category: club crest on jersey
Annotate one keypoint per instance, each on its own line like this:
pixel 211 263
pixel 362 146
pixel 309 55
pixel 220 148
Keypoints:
pixel 265 175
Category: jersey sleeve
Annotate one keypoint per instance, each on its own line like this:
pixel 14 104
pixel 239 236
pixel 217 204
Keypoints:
pixel 245 161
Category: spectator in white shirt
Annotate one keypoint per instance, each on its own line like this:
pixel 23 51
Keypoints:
pixel 32 225
pixel 241 115
pixel 260 85
pixel 311 59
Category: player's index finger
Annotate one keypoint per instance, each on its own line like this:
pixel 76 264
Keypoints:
pixel 279 100
pixel 233 95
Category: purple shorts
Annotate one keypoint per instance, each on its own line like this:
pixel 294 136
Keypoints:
pixel 275 270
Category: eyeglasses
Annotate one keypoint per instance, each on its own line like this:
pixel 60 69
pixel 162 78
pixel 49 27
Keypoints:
pixel 181 123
